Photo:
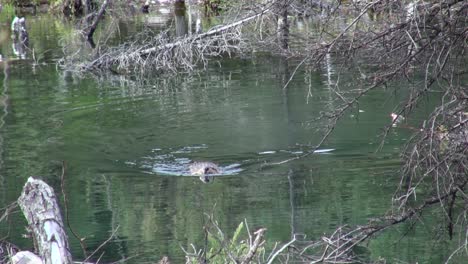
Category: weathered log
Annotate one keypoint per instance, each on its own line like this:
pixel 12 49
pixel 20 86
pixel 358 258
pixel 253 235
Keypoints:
pixel 26 257
pixel 212 32
pixel 39 205
pixel 106 60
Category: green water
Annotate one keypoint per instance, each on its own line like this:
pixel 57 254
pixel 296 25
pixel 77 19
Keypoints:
pixel 127 145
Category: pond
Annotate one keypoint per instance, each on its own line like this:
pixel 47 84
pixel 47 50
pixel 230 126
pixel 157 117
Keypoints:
pixel 127 145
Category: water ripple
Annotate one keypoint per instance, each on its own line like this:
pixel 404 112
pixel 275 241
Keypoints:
pixel 167 162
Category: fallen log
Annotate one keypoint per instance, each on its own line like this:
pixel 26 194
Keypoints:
pixel 158 49
pixel 39 205
pixel 214 31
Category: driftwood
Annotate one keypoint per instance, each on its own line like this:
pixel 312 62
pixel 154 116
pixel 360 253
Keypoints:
pixel 39 205
pixel 164 51
pixel 212 32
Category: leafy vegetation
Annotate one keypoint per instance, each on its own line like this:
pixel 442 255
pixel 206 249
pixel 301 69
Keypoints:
pixel 7 14
pixel 241 248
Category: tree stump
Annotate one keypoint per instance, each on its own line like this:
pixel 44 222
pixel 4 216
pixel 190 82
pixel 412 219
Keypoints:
pixel 39 205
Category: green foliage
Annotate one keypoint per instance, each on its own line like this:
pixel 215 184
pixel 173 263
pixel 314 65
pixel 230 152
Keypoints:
pixel 220 250
pixel 54 2
pixel 237 232
pixel 7 14
pixel 29 2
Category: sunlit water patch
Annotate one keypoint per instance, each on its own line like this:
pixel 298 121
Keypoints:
pixel 295 151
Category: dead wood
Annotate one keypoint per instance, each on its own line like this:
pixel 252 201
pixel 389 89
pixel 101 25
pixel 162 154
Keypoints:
pixel 163 53
pixel 39 205
pixel 254 246
pixel 93 26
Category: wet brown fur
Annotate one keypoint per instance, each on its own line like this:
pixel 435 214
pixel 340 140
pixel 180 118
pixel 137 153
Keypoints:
pixel 203 169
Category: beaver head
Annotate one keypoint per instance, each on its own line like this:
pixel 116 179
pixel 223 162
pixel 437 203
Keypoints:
pixel 211 170
pixel 206 178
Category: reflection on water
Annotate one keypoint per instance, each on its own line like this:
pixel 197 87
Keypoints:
pixel 126 143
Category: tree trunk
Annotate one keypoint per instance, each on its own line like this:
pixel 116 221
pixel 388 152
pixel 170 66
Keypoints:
pixel 180 19
pixel 93 26
pixel 75 7
pixel 283 25
pixel 39 205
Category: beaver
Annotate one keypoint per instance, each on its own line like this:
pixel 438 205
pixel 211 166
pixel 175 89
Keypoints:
pixel 204 169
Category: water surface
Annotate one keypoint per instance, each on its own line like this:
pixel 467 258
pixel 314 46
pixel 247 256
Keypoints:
pixel 127 146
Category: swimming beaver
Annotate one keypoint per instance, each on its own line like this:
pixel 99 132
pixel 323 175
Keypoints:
pixel 204 169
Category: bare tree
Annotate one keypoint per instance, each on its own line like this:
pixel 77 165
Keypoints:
pixel 401 40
